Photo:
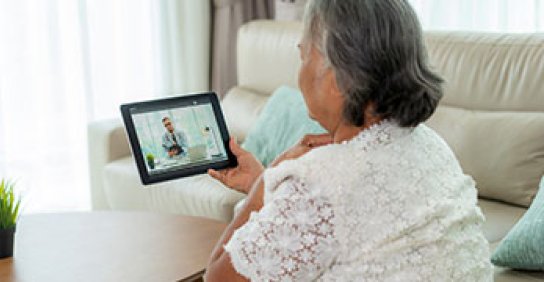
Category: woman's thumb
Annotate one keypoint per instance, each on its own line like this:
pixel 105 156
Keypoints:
pixel 235 148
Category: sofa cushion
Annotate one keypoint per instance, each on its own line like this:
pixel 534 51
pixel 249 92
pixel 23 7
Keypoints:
pixel 241 108
pixel 499 218
pixel 510 275
pixel 502 151
pixel 523 247
pixel 489 71
pixel 283 122
pixel 198 195
pixel 267 55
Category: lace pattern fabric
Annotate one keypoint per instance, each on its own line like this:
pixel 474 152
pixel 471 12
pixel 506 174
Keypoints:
pixel 289 239
pixel 392 204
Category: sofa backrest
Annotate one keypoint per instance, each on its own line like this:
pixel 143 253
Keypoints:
pixel 492 114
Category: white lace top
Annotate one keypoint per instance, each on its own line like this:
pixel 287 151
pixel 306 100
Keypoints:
pixel 392 204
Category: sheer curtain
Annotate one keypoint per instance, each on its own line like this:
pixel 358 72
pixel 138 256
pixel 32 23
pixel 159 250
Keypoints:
pixel 64 63
pixel 514 16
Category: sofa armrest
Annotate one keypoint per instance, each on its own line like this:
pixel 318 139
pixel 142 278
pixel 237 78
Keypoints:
pixel 107 142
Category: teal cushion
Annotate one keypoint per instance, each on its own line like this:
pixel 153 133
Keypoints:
pixel 283 122
pixel 523 246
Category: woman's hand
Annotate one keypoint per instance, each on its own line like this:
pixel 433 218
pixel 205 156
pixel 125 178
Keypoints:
pixel 306 144
pixel 241 177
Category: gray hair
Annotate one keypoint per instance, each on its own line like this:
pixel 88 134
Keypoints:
pixel 376 50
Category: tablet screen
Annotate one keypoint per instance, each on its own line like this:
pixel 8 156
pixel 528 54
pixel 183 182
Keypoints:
pixel 177 136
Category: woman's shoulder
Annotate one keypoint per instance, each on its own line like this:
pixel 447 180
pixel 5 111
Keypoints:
pixel 428 148
pixel 320 167
pixel 406 154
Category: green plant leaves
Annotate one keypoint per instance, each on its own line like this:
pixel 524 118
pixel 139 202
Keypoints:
pixel 9 205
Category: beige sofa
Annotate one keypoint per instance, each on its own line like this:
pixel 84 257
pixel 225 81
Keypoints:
pixel 492 115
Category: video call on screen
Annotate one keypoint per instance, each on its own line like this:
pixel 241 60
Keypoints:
pixel 178 137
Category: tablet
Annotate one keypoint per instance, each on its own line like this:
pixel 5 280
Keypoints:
pixel 177 137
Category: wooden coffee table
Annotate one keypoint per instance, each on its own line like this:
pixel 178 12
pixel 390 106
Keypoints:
pixel 110 246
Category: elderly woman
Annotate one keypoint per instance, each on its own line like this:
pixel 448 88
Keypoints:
pixel 379 198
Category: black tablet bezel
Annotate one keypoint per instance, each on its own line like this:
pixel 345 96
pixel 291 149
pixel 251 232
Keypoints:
pixel 168 103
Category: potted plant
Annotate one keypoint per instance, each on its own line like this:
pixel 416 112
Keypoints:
pixel 150 161
pixel 9 210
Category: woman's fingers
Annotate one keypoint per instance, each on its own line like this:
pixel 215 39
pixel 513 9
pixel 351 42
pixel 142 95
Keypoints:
pixel 322 139
pixel 315 140
pixel 217 175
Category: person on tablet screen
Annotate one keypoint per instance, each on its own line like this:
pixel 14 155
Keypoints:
pixel 174 141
